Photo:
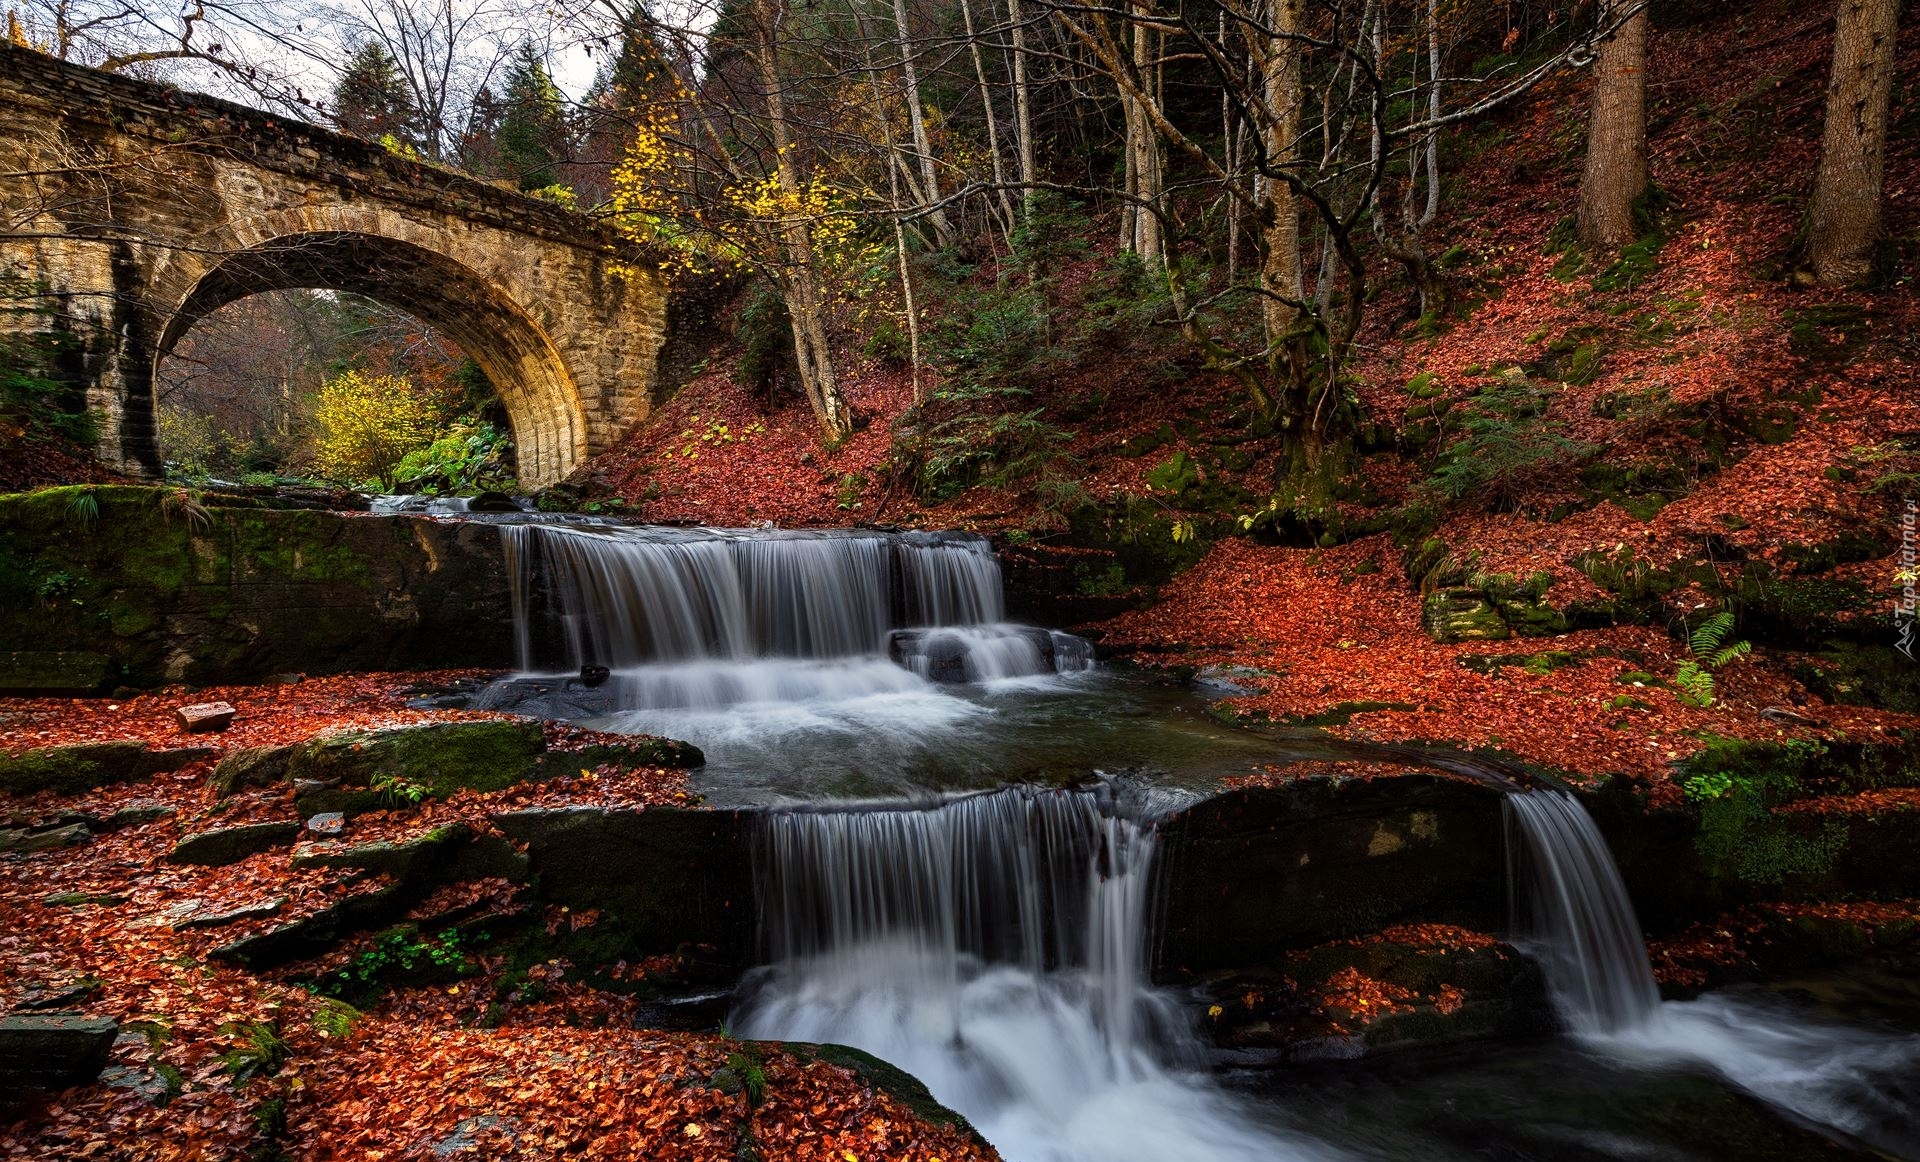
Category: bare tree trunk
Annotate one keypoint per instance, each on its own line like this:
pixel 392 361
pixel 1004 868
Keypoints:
pixel 1280 270
pixel 1846 194
pixel 986 108
pixel 1616 172
pixel 909 301
pixel 922 143
pixel 1022 103
pixel 800 279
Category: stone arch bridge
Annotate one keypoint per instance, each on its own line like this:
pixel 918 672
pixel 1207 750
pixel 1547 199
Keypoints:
pixel 132 210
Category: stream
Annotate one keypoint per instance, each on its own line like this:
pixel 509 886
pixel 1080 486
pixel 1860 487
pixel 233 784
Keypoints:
pixel 956 872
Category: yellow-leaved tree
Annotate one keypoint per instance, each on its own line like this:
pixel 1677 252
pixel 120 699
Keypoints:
pixel 367 423
pixel 718 185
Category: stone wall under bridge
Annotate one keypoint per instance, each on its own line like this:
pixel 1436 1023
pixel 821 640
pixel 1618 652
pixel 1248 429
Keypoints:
pixel 130 210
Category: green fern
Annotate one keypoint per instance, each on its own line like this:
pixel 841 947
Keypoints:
pixel 1693 681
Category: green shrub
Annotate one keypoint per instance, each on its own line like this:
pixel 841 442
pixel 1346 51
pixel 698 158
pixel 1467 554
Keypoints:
pixel 469 457
pixel 764 331
pixel 1504 448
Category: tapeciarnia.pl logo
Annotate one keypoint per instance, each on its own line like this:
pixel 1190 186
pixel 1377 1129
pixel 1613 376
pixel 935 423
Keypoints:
pixel 1903 610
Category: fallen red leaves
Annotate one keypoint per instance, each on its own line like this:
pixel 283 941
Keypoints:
pixel 1321 635
pixel 269 715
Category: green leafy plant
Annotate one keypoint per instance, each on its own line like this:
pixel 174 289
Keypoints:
pixel 403 953
pixel 397 791
pixel 1693 681
pixel 83 509
pixel 471 456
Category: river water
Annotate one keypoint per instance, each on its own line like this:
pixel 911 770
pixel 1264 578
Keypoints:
pixel 956 874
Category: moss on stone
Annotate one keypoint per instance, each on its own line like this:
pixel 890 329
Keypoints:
pixel 441 757
pixel 76 768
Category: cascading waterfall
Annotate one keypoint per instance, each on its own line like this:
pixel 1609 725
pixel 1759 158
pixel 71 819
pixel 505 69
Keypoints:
pixel 710 618
pixel 1572 903
pixel 996 947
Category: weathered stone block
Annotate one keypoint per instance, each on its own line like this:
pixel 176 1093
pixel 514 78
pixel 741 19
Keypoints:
pixel 205 717
pixel 1462 615
pixel 49 1051
pixel 225 845
pixel 250 766
pixel 86 765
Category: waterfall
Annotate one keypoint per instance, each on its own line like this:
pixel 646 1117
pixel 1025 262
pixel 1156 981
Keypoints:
pixel 996 947
pixel 1572 901
pixel 700 617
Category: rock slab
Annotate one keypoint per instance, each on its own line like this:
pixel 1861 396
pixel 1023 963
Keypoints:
pixel 48 1051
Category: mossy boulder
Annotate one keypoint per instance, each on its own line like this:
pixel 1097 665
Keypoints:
pixel 642 753
pixel 442 855
pixel 665 878
pixel 86 765
pixel 1462 615
pixel 171 586
pixel 1258 872
pixel 437 757
pixel 250 766
pixel 883 1077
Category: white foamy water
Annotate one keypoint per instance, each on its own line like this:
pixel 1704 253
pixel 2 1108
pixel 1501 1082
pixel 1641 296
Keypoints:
pixel 995 947
pixel 1861 1082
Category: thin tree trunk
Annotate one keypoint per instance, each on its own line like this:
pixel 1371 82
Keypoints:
pixel 801 282
pixel 1140 230
pixel 1845 223
pixel 986 107
pixel 907 296
pixel 922 142
pixel 1616 173
pixel 1280 269
pixel 1022 104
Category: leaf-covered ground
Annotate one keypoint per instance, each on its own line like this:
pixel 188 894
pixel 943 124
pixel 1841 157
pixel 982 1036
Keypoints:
pixel 1313 634
pixel 467 1057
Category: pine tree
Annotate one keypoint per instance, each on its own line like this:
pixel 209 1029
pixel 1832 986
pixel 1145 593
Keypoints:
pixel 532 139
pixel 372 99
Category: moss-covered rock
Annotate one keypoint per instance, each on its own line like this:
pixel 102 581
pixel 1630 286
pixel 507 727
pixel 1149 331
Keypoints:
pixel 642 753
pixel 441 855
pixel 1256 873
pixel 40 672
pixel 891 1080
pixel 1462 615
pixel 439 758
pixel 86 765
pixel 170 586
pixel 250 766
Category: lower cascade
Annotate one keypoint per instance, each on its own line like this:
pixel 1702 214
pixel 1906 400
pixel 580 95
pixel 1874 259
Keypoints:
pixel 995 946
pixel 1571 900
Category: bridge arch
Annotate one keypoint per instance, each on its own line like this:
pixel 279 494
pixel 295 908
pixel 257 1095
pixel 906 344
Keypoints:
pixel 541 399
pixel 208 201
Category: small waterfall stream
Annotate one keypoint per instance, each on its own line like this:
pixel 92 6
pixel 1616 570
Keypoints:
pixel 995 946
pixel 1572 904
pixel 861 648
